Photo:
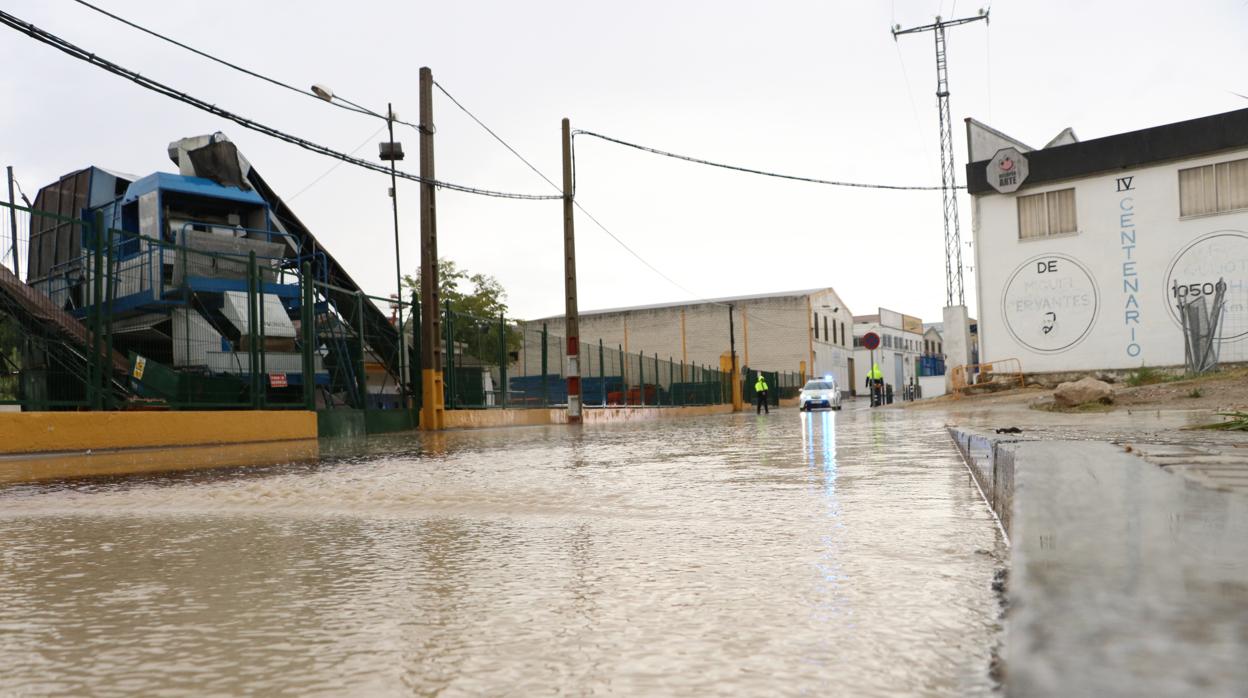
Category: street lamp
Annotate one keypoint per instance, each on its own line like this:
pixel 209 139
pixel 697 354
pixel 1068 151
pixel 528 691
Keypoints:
pixel 391 151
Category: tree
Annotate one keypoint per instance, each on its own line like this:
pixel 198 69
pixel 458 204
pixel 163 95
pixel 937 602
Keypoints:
pixel 476 312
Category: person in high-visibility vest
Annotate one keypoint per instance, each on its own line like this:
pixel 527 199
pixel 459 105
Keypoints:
pixel 760 390
pixel 875 379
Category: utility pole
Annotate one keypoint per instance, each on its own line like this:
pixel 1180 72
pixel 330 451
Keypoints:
pixel 948 179
pixel 571 319
pixel 432 406
pixel 738 404
pixel 17 269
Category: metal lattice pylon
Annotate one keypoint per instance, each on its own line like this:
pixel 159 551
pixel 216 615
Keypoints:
pixel 948 178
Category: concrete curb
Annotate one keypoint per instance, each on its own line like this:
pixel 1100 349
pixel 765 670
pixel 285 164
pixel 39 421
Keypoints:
pixel 991 462
pixel 1124 578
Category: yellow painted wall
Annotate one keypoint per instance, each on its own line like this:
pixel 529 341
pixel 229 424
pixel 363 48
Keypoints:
pixel 483 419
pixel 42 467
pixel 44 432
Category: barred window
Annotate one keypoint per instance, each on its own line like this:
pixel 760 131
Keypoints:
pixel 1213 188
pixel 1047 213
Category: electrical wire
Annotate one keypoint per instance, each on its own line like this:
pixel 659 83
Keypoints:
pixel 738 168
pixel 497 137
pixel 334 166
pixel 914 107
pixel 601 226
pixel 161 88
pixel 239 68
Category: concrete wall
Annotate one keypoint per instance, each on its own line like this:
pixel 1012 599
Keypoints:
pixel 932 386
pixel 42 432
pixel 60 466
pixel 1112 284
pixel 485 419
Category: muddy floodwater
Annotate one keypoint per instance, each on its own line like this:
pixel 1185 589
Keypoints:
pixel 797 554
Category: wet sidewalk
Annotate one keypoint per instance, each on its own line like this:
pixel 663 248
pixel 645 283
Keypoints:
pixel 1129 560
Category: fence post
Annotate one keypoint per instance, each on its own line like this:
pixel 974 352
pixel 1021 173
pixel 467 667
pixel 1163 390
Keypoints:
pixel 449 376
pixel 545 397
pixel 253 356
pixel 683 384
pixel 641 377
pixel 110 292
pixel 602 373
pixel 658 383
pixel 307 323
pixel 261 342
pixel 619 353
pixel 416 377
pixel 95 392
pixel 671 381
pixel 362 370
pixel 502 360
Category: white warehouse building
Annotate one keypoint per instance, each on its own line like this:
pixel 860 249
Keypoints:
pixel 1084 249
pixel 806 332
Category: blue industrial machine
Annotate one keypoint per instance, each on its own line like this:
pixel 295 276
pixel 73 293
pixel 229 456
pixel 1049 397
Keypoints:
pixel 186 256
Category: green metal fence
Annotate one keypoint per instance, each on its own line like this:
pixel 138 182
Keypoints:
pixel 126 321
pixel 207 320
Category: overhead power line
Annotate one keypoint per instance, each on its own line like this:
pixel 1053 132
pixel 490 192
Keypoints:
pixel 161 88
pixel 738 168
pixel 239 68
pixel 336 165
pixel 575 203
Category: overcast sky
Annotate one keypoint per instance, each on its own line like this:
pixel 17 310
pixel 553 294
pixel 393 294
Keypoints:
pixel 810 88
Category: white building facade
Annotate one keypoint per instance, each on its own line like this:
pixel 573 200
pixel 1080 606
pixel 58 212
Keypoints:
pixel 901 345
pixel 1084 249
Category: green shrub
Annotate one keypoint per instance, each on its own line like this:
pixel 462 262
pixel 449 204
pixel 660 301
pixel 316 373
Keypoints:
pixel 1145 375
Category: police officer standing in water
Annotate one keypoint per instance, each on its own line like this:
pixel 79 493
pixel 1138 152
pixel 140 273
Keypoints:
pixel 760 390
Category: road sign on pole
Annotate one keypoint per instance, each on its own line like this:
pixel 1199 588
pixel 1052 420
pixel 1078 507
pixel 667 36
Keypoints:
pixel 871 341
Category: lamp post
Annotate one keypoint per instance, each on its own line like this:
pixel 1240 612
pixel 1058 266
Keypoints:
pixel 391 151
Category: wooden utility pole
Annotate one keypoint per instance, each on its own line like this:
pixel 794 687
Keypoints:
pixel 432 405
pixel 571 318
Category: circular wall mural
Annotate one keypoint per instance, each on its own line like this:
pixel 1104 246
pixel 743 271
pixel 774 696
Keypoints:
pixel 1196 270
pixel 1050 303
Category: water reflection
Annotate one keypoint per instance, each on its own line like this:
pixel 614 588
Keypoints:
pixel 789 554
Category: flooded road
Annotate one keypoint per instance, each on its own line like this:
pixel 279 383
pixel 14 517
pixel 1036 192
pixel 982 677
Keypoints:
pixel 821 554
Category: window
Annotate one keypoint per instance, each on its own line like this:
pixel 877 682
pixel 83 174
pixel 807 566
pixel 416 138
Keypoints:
pixel 817 326
pixel 825 328
pixel 1045 214
pixel 1213 188
pixel 842 333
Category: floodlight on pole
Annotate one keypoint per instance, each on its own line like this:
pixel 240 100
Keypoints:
pixel 390 151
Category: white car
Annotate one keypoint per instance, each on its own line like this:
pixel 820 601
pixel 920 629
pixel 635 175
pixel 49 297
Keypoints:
pixel 819 393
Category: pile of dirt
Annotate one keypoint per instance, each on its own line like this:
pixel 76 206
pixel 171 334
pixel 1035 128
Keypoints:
pixel 1223 390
